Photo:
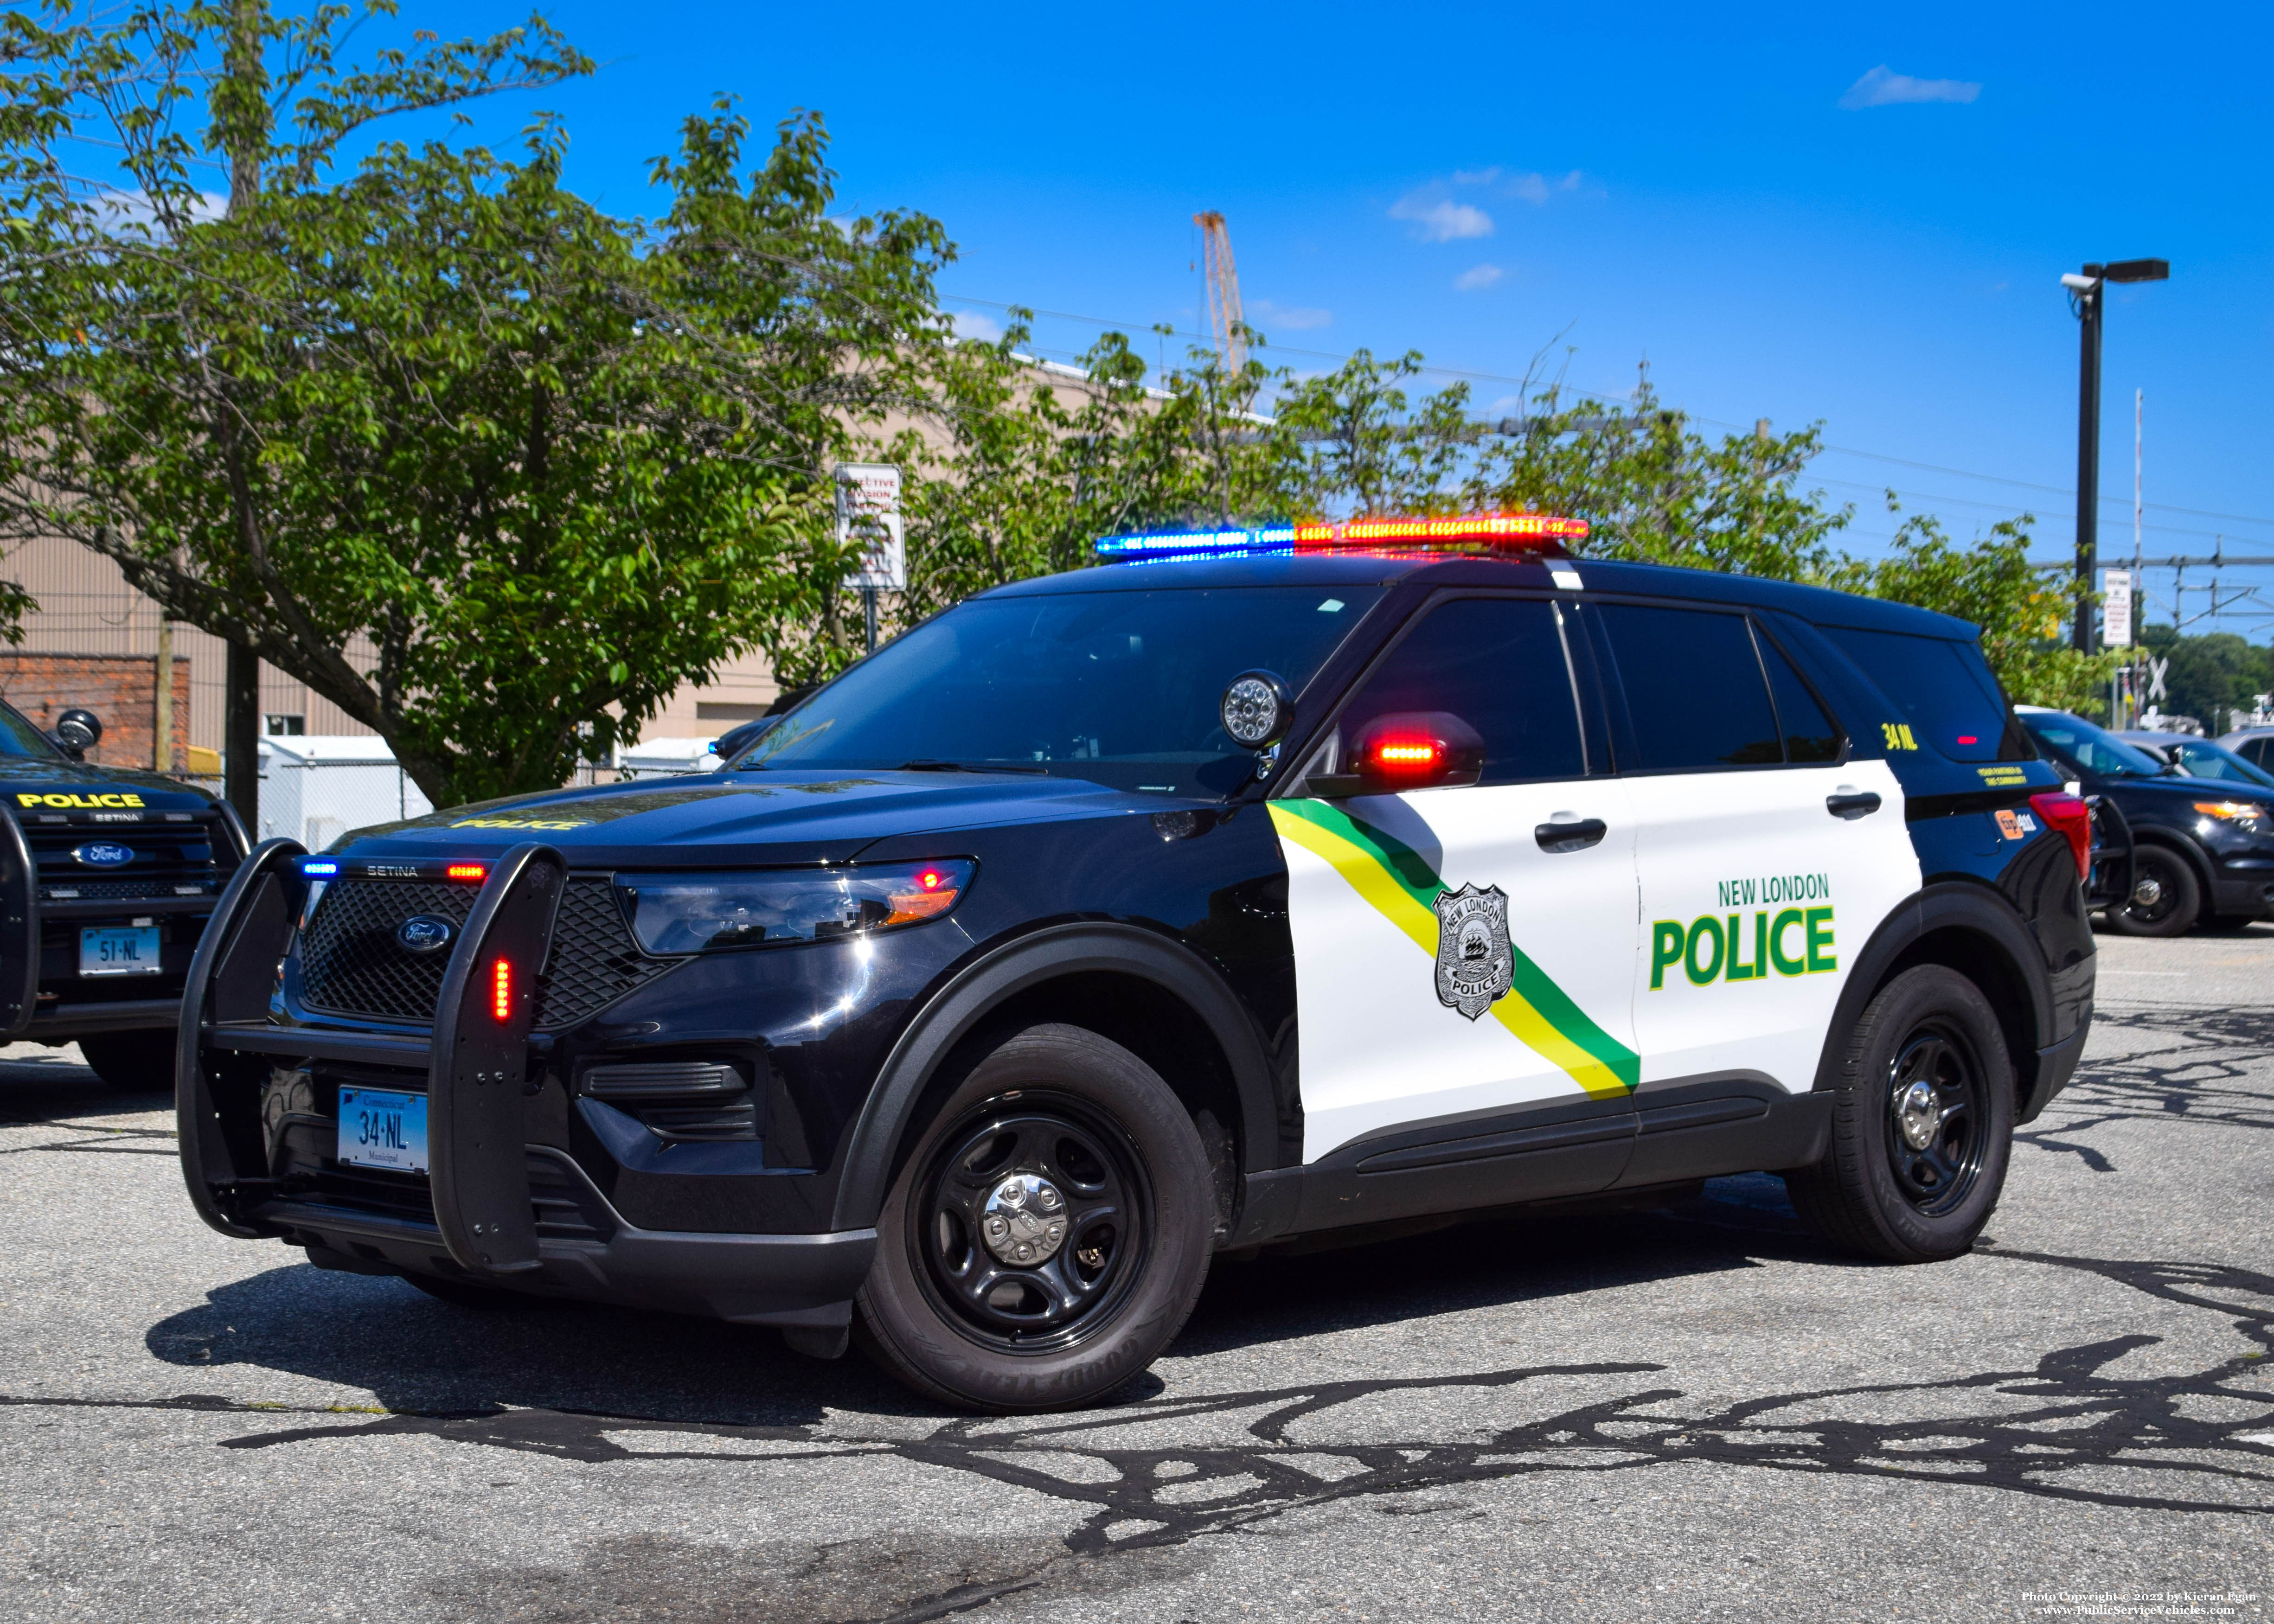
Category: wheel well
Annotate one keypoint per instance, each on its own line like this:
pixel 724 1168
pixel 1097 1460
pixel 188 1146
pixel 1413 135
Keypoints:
pixel 1990 968
pixel 1150 1022
pixel 2185 850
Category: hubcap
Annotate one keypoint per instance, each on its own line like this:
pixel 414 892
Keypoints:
pixel 1025 1220
pixel 2147 892
pixel 1937 1107
pixel 1035 1223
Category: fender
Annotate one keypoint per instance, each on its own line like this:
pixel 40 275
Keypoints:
pixel 1943 905
pixel 229 975
pixel 955 1012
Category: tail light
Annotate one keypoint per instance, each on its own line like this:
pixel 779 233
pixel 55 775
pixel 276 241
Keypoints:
pixel 2073 818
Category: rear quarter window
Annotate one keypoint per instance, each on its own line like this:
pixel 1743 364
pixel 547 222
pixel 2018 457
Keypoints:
pixel 1949 699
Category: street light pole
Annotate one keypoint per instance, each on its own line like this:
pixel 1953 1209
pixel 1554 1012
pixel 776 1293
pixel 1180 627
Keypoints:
pixel 2088 292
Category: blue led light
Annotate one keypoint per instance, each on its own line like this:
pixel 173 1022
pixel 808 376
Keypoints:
pixel 317 869
pixel 1198 544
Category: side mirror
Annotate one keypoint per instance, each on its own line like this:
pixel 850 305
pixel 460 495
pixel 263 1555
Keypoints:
pixel 78 731
pixel 1407 749
pixel 1257 710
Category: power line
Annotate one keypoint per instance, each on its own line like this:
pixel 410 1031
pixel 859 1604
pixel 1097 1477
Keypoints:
pixel 1449 372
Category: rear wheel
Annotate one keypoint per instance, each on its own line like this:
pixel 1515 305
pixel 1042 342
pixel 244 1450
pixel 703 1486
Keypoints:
pixel 2166 896
pixel 1049 1233
pixel 1922 1124
pixel 132 1062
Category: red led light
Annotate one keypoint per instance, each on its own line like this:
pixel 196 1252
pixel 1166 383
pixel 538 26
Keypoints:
pixel 1968 739
pixel 932 879
pixel 467 871
pixel 1396 755
pixel 501 989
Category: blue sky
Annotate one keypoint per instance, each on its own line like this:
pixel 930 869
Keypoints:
pixel 1796 213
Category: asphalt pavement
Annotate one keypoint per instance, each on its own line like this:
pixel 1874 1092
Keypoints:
pixel 1683 1415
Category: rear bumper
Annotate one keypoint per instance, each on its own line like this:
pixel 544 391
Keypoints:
pixel 786 1279
pixel 2055 1066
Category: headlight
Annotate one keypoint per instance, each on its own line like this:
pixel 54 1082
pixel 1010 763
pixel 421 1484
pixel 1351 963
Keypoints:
pixel 692 913
pixel 2234 811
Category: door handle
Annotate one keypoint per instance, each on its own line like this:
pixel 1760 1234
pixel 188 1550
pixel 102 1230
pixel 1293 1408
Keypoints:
pixel 1850 803
pixel 1571 835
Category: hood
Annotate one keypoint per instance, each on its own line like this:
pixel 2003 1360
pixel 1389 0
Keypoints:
pixel 2179 788
pixel 31 786
pixel 766 816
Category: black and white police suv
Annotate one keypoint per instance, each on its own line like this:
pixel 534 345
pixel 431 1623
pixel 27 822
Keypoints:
pixel 107 876
pixel 1249 886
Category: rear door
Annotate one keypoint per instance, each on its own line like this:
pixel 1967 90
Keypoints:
pixel 1464 954
pixel 1765 859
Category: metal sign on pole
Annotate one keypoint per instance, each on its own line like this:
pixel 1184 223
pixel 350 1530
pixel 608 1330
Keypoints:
pixel 2116 608
pixel 869 504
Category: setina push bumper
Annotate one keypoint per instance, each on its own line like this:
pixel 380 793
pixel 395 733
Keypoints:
pixel 257 1095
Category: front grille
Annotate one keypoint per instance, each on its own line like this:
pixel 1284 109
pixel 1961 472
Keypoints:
pixel 186 859
pixel 350 963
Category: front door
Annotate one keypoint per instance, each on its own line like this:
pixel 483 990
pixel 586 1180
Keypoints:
pixel 1464 954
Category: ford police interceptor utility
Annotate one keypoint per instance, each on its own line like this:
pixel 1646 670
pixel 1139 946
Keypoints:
pixel 107 878
pixel 1253 885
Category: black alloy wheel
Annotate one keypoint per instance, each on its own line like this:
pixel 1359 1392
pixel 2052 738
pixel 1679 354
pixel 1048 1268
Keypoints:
pixel 1034 1215
pixel 1934 1098
pixel 1923 1101
pixel 2165 896
pixel 1048 1232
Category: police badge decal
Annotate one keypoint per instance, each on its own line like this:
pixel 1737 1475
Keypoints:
pixel 1476 965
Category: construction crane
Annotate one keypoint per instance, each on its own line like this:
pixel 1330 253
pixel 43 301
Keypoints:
pixel 1223 292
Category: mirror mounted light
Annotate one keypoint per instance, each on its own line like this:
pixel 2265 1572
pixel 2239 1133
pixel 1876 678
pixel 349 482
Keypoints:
pixel 1407 749
pixel 1257 710
pixel 78 731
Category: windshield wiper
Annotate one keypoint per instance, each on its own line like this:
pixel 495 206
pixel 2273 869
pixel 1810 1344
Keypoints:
pixel 927 763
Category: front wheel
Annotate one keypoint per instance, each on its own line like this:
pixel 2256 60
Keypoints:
pixel 1047 1236
pixel 1922 1126
pixel 2166 896
pixel 132 1062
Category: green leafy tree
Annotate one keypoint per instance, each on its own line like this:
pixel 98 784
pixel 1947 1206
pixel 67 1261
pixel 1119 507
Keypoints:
pixel 2209 677
pixel 547 467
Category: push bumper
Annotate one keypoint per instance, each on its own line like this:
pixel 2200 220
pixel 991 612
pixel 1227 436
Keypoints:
pixel 504 1212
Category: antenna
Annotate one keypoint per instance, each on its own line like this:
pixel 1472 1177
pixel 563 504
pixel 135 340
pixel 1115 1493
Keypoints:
pixel 1225 318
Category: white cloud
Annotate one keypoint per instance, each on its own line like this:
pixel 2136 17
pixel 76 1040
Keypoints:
pixel 1881 88
pixel 1478 276
pixel 1438 219
pixel 1298 318
pixel 971 324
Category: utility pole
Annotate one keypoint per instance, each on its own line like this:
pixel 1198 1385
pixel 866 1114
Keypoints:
pixel 2087 295
pixel 241 107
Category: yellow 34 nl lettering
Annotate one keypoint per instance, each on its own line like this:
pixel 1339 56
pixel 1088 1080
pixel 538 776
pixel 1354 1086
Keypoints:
pixel 1665 949
pixel 1706 930
pixel 1819 941
pixel 1787 964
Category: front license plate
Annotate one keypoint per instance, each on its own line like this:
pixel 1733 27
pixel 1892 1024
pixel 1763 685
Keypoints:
pixel 119 950
pixel 383 1129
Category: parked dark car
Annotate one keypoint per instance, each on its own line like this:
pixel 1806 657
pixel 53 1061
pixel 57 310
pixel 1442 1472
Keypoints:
pixel 107 876
pixel 2202 848
pixel 2200 758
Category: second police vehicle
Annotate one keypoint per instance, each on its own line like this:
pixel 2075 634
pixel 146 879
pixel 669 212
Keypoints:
pixel 1252 885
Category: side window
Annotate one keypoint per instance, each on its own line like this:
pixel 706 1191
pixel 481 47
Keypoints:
pixel 1694 689
pixel 1496 663
pixel 1809 734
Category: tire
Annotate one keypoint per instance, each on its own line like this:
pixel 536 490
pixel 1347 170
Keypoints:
pixel 132 1062
pixel 471 1294
pixel 2230 924
pixel 1048 1234
pixel 1881 1193
pixel 2166 897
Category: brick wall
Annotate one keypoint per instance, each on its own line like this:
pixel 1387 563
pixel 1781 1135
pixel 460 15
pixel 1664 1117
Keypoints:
pixel 121 688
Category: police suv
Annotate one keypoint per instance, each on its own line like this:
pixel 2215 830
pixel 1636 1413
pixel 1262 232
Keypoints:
pixel 1252 885
pixel 107 878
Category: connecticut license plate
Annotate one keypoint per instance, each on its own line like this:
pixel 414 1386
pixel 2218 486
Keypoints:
pixel 383 1129
pixel 119 950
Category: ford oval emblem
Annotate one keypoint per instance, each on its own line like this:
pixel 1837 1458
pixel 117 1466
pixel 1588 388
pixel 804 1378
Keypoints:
pixel 103 854
pixel 423 933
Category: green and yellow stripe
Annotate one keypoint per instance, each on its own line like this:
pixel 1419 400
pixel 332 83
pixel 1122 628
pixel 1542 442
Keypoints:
pixel 1403 888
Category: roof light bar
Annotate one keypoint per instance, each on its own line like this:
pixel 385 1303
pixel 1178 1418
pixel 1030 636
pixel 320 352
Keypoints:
pixel 1484 532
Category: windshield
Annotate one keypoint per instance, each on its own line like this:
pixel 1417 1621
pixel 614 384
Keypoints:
pixel 2202 759
pixel 20 738
pixel 2086 748
pixel 1121 687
